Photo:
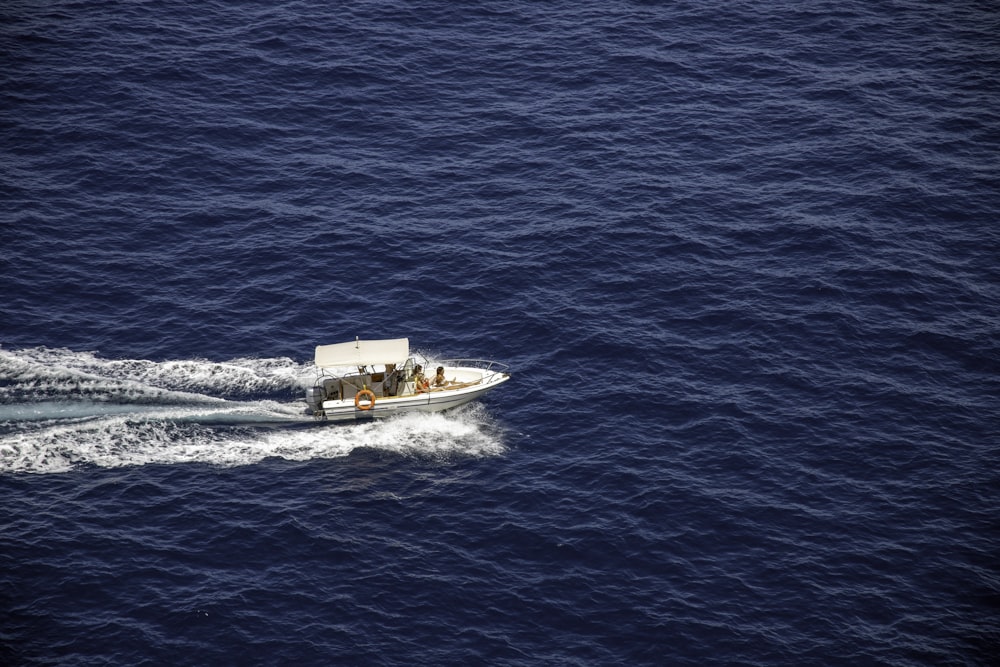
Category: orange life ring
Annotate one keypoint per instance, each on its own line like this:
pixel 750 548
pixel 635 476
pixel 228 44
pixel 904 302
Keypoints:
pixel 371 399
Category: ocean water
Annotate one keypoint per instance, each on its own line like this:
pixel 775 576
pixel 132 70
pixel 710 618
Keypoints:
pixel 741 257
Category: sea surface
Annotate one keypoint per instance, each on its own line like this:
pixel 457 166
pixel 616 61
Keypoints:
pixel 743 259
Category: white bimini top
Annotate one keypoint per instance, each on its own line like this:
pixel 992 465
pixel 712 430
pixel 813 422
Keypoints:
pixel 363 353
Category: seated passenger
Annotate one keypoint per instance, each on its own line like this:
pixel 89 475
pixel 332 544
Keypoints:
pixel 419 381
pixel 439 380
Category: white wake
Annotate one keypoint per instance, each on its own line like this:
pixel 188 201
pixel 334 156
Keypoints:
pixel 62 410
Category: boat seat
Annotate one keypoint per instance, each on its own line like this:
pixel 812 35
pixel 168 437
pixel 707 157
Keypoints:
pixel 357 383
pixel 371 381
pixel 331 387
pixel 376 387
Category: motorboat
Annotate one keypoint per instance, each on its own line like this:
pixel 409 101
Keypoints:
pixel 362 379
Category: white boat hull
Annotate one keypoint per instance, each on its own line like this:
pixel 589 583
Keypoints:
pixel 474 383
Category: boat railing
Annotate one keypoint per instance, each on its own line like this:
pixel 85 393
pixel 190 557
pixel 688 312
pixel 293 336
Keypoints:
pixel 491 368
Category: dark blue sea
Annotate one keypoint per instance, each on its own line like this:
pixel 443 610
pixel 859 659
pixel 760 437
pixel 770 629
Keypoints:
pixel 742 258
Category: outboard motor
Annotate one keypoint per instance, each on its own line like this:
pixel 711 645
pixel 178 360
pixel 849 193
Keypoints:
pixel 314 398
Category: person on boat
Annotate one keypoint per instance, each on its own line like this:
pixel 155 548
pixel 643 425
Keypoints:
pixel 439 380
pixel 419 381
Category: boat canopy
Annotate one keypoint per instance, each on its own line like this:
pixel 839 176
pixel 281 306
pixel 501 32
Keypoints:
pixel 363 353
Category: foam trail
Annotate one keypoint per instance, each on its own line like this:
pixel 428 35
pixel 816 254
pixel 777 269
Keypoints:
pixel 54 410
pixel 39 374
pixel 191 436
pixel 61 410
